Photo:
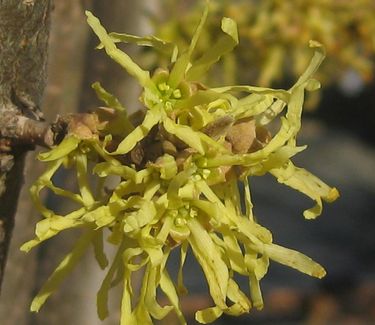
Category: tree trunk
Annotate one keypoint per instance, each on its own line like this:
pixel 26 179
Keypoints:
pixel 67 42
pixel 24 29
pixel 75 301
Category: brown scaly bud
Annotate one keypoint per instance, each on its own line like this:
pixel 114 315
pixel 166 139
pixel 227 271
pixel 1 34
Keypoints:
pixel 263 136
pixel 241 135
pixel 218 127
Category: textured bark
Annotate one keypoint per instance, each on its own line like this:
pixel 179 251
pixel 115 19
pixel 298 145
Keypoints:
pixel 20 271
pixel 25 273
pixel 16 130
pixel 24 28
pixel 74 303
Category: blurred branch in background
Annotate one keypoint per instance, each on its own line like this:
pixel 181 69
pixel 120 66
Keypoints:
pixel 119 16
pixel 69 35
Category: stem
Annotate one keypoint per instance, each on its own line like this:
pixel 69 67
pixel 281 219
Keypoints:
pixel 21 130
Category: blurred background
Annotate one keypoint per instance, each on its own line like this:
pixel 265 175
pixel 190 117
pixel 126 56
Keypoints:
pixel 338 127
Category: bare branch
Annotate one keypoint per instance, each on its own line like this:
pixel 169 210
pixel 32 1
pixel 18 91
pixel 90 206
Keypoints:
pixel 21 130
pixel 24 30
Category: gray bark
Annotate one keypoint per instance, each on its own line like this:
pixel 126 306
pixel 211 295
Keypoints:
pixel 24 29
pixel 25 273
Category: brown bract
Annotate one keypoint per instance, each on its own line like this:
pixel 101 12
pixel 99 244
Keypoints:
pixel 84 125
pixel 241 135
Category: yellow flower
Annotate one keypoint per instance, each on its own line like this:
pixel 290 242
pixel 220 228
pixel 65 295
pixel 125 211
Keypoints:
pixel 179 177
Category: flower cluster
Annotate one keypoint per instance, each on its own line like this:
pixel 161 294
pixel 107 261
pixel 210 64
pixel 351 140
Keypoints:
pixel 180 164
pixel 274 35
